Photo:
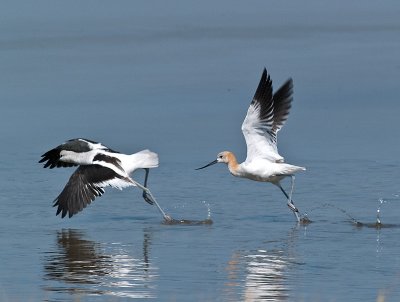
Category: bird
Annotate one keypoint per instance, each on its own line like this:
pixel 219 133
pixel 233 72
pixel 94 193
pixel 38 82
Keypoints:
pixel 265 116
pixel 98 167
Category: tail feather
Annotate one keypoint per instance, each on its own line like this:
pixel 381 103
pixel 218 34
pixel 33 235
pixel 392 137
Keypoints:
pixel 291 169
pixel 147 159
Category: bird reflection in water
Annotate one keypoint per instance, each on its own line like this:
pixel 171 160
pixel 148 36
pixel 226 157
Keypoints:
pixel 84 267
pixel 257 276
pixel 266 279
pixel 262 275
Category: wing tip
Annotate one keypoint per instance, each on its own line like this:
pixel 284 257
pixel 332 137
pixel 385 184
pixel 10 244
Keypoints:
pixel 264 89
pixel 265 77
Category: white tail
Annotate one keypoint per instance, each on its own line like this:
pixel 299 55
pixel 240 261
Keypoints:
pixel 140 160
pixel 146 159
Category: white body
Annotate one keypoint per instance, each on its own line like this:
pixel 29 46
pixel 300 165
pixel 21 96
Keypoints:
pixel 266 171
pixel 140 160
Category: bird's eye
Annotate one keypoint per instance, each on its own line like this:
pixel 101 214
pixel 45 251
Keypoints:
pixel 220 156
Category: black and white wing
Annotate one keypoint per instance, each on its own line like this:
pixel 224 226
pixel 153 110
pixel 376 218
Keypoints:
pixel 84 185
pixel 282 103
pixel 266 115
pixel 52 158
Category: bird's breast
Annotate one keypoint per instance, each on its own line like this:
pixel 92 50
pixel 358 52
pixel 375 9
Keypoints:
pixel 264 172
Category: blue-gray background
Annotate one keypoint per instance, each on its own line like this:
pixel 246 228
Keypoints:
pixel 177 77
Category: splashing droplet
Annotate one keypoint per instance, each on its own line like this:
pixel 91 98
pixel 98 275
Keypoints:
pixel 329 205
pixel 378 211
pixel 208 209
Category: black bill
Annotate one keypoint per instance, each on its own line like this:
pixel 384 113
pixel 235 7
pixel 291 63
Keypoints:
pixel 210 164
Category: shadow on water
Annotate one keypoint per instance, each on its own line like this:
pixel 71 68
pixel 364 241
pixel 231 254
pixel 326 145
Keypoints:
pixel 188 222
pixel 84 267
pixel 304 220
pixel 377 225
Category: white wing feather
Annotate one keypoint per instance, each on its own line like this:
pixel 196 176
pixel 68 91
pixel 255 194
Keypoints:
pixel 265 117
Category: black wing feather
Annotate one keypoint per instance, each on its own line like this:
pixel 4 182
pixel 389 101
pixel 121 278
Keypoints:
pixel 263 99
pixel 78 145
pixel 52 159
pixel 82 188
pixel 282 103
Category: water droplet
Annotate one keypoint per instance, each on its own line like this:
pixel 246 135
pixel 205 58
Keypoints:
pixel 378 211
pixel 208 209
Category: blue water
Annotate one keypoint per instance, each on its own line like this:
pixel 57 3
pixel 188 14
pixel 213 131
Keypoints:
pixel 177 78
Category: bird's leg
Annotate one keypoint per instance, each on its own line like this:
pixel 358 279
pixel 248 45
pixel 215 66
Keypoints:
pixel 154 201
pixel 292 178
pixel 290 201
pixel 145 194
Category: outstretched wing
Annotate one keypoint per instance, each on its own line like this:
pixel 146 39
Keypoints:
pixel 282 103
pixel 84 185
pixel 265 117
pixel 77 145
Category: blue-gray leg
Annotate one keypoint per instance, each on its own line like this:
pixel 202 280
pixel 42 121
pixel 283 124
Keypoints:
pixel 289 197
pixel 146 195
pixel 150 196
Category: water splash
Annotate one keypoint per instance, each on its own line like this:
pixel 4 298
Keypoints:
pixel 206 221
pixel 329 205
pixel 207 205
pixel 304 220
pixel 378 211
pixel 377 224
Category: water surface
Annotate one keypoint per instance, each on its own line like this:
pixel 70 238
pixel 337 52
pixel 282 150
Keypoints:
pixel 178 80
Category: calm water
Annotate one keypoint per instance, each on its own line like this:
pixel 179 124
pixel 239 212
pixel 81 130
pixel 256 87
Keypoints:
pixel 178 80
